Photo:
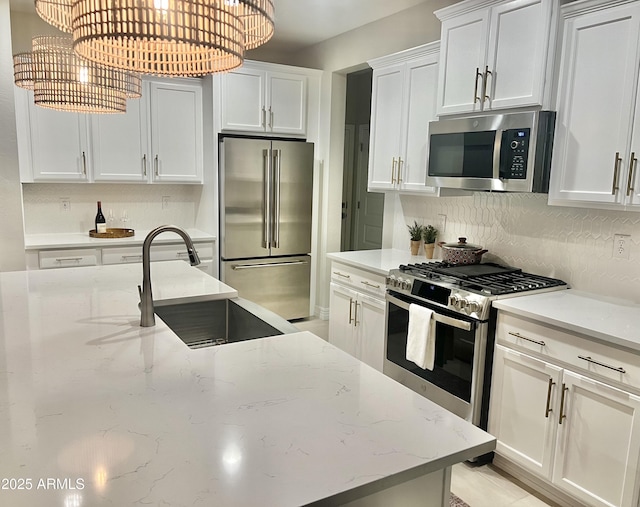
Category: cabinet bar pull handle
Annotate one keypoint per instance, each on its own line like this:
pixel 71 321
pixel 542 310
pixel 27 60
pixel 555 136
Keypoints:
pixel 84 164
pixel 400 162
pixel 485 81
pixel 270 119
pixel 144 164
pixel 616 171
pixel 393 171
pixel 68 259
pixel 588 359
pixel 548 410
pixel 632 166
pixel 562 414
pixel 355 315
pixel 276 198
pixel 475 89
pixel 350 307
pixel 370 284
pixel 155 165
pixel 537 342
pixel 264 118
pixel 341 274
pixel 127 257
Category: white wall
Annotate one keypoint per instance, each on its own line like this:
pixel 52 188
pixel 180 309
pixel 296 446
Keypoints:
pixel 143 204
pixel 521 230
pixel 12 256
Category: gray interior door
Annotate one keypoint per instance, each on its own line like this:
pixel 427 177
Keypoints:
pixel 292 164
pixel 243 166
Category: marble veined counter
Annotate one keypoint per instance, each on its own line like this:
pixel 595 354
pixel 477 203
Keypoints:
pixel 83 240
pixel 613 321
pixel 378 261
pixel 95 410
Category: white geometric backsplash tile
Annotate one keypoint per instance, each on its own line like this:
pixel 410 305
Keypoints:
pixel 521 230
pixel 143 204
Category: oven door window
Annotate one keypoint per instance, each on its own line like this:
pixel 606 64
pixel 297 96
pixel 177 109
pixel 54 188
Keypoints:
pixel 454 353
pixel 463 154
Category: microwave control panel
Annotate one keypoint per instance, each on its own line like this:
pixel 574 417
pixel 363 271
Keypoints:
pixel 514 154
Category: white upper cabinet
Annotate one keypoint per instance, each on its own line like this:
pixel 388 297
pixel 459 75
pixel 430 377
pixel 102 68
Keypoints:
pixel 158 139
pixel 265 98
pixel 176 131
pixel 53 145
pixel 494 54
pixel 402 105
pixel 597 139
pixel 128 132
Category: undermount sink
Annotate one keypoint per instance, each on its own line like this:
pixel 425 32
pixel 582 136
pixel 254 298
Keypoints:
pixel 208 323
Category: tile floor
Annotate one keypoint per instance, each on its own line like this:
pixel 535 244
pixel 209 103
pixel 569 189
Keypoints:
pixel 479 486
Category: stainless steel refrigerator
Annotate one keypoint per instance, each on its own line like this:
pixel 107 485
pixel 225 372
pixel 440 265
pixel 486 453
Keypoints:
pixel 266 188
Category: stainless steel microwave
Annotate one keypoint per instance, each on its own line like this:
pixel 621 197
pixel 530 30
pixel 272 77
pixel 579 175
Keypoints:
pixel 508 152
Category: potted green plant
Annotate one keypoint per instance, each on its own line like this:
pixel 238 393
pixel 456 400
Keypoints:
pixel 415 232
pixel 429 233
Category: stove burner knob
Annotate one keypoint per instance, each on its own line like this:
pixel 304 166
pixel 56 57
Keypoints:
pixel 406 284
pixel 473 307
pixel 391 281
pixel 455 301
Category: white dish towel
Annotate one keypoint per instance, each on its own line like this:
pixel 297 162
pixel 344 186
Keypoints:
pixel 421 337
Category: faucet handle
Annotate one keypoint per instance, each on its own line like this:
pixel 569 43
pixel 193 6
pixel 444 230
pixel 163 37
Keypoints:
pixel 140 292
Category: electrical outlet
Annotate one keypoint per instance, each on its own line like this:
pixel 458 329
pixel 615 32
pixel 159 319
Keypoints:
pixel 65 204
pixel 165 201
pixel 621 246
pixel 441 223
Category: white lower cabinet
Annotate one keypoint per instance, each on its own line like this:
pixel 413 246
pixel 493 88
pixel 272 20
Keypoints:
pixel 572 430
pixel 356 324
pixel 357 313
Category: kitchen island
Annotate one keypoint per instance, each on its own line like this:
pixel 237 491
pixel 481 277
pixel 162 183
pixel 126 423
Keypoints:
pixel 95 410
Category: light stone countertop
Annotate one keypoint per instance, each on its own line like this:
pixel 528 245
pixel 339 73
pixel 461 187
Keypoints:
pixel 83 240
pixel 613 321
pixel 116 414
pixel 378 261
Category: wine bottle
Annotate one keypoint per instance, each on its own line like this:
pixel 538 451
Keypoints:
pixel 101 222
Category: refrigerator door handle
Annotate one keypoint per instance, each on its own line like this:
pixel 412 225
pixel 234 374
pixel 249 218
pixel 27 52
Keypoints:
pixel 266 222
pixel 267 265
pixel 276 198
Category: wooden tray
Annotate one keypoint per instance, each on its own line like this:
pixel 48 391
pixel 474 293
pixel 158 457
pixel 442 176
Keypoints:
pixel 112 233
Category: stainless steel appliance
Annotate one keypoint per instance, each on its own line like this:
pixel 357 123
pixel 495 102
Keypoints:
pixel 266 190
pixel 460 297
pixel 505 152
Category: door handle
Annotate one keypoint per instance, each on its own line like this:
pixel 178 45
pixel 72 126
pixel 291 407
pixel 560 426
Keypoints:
pixel 393 171
pixel 475 89
pixel 267 265
pixel 633 163
pixel 616 172
pixel 400 162
pixel 355 315
pixel 156 169
pixel 485 82
pixel 144 164
pixel 276 197
pixel 84 164
pixel 548 410
pixel 264 118
pixel 266 221
pixel 562 414
pixel 350 307
pixel 270 119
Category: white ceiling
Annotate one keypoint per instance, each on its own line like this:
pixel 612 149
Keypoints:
pixel 301 23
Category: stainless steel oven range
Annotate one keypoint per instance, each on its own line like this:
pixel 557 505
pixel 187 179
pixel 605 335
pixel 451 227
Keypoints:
pixel 460 297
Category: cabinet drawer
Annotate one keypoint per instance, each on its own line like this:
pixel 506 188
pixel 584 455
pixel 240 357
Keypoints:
pixel 568 349
pixel 131 254
pixel 358 279
pixel 68 258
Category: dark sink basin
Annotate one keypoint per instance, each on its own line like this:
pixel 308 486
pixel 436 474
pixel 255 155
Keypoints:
pixel 208 323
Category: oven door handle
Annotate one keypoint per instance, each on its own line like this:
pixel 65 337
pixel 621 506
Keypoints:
pixel 444 319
